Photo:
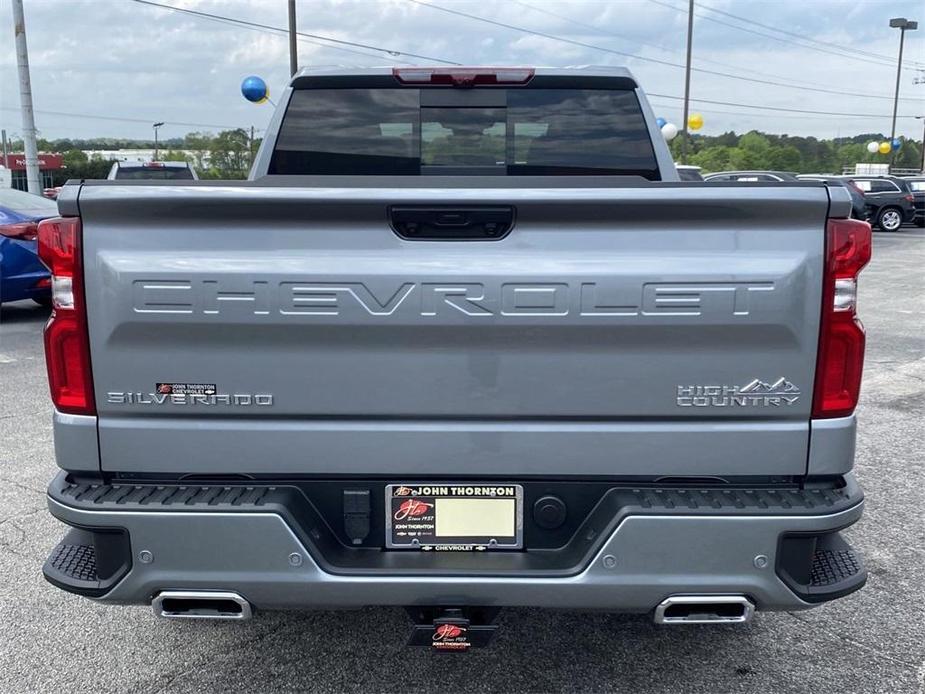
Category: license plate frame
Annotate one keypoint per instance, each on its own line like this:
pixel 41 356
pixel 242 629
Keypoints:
pixel 414 511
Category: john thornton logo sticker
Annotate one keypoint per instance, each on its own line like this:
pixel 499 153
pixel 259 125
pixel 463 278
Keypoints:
pixel 451 637
pixel 756 393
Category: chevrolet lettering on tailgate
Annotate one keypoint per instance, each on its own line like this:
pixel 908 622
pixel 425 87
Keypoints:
pixel 588 299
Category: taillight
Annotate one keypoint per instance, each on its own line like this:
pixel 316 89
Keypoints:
pixel 909 198
pixel 67 344
pixel 23 231
pixel 464 76
pixel 841 337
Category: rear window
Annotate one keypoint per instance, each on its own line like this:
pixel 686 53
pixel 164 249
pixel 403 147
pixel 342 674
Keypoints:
pixel 879 185
pixel 527 132
pixel 167 173
pixel 752 178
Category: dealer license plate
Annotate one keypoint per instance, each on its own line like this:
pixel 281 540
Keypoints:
pixel 454 517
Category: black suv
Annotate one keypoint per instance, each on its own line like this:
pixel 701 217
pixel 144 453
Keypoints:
pixel 889 200
pixel 917 183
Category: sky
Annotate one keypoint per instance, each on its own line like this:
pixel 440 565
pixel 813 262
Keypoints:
pixel 111 68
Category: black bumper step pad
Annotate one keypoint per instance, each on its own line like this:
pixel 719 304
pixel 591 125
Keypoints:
pixel 820 567
pixel 831 567
pixel 89 561
pixel 77 562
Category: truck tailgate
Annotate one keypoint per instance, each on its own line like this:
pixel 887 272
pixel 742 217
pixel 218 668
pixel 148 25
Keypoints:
pixel 657 330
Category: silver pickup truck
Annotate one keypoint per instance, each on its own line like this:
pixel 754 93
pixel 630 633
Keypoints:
pixel 463 341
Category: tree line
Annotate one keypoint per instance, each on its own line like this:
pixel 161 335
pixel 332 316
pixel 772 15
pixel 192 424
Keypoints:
pixel 758 150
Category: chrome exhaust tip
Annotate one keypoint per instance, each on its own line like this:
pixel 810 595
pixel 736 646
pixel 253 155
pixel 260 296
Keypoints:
pixel 201 604
pixel 704 609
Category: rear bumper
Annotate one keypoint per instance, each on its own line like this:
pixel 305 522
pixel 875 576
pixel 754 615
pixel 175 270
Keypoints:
pixel 778 552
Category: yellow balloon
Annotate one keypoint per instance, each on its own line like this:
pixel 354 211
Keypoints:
pixel 695 121
pixel 885 148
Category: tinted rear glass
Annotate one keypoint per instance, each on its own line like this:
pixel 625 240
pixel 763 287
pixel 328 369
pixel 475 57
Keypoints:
pixel 877 186
pixel 167 173
pixel 534 132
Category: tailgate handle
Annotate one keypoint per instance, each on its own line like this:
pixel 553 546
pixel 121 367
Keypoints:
pixel 451 223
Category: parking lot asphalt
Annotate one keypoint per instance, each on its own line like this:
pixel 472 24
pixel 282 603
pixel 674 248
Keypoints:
pixel 872 641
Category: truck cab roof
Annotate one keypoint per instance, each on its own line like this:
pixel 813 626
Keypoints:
pixel 565 71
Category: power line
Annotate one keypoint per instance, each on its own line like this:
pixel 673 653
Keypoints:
pixel 849 56
pixel 127 120
pixel 342 42
pixel 800 116
pixel 598 30
pixel 853 49
pixel 777 108
pixel 274 31
pixel 668 63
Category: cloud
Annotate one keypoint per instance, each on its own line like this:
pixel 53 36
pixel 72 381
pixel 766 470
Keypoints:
pixel 127 60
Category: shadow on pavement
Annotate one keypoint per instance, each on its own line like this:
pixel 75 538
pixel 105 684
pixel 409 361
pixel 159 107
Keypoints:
pixel 535 650
pixel 23 312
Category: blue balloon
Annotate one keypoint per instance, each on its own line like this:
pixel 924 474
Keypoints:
pixel 896 143
pixel 254 89
pixel 660 122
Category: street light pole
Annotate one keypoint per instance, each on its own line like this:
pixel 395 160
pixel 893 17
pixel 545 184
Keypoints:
pixel 903 25
pixel 687 80
pixel 156 126
pixel 293 49
pixel 33 184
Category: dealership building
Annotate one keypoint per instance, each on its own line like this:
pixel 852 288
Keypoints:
pixel 48 163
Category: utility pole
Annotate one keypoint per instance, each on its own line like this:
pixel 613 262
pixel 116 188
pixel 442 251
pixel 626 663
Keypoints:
pixel 6 161
pixel 923 148
pixel 922 118
pixel 25 99
pixel 293 48
pixel 687 80
pixel 903 25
